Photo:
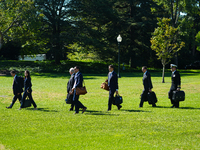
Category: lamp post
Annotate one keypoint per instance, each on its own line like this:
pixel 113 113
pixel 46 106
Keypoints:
pixel 119 40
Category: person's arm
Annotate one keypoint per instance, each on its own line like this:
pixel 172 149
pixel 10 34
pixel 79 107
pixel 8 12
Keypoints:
pixel 117 87
pixel 79 81
pixel 149 83
pixel 178 82
pixel 29 85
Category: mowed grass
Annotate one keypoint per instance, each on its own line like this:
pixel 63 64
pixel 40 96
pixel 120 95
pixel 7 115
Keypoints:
pixel 52 126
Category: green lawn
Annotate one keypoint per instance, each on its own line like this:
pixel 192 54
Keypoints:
pixel 52 126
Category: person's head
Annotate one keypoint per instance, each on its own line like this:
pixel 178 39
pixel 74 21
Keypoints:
pixel 71 71
pixel 13 73
pixel 27 74
pixel 110 68
pixel 144 69
pixel 173 67
pixel 76 69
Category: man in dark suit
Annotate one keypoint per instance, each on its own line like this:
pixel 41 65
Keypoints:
pixel 113 86
pixel 147 86
pixel 176 85
pixel 17 89
pixel 70 85
pixel 78 82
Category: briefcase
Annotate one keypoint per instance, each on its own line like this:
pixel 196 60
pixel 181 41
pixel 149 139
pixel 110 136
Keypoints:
pixel 27 103
pixel 81 90
pixel 178 96
pixel 105 86
pixel 117 100
pixel 151 96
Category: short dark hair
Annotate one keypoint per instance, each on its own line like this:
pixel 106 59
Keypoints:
pixel 77 67
pixel 13 71
pixel 111 66
pixel 144 67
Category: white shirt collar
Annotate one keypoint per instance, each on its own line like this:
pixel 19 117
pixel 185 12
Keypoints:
pixel 173 72
pixel 145 72
pixel 77 72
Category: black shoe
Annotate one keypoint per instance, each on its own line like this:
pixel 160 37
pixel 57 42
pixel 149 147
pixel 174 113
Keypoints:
pixel 71 109
pixel 140 106
pixel 172 106
pixel 9 107
pixel 84 109
pixel 119 107
pixel 109 110
pixel 154 105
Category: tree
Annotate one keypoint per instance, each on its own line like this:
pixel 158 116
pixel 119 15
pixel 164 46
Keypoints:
pixel 58 28
pixel 165 42
pixel 101 21
pixel 19 23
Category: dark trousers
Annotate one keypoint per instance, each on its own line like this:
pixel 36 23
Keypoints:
pixel 76 102
pixel 30 98
pixel 19 97
pixel 111 99
pixel 144 98
pixel 170 94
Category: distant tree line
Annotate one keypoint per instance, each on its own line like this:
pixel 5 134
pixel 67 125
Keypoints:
pixel 60 27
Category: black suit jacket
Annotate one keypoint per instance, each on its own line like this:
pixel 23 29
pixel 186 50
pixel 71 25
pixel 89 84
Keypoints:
pixel 176 81
pixel 147 81
pixel 78 79
pixel 17 87
pixel 27 85
pixel 113 81
pixel 70 83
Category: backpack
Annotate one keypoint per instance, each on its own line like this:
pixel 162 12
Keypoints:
pixel 21 81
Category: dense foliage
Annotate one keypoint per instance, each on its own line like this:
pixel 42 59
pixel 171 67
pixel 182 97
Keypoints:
pixel 62 28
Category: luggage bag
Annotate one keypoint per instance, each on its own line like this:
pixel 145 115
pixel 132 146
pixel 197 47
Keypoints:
pixel 178 96
pixel 151 96
pixel 117 100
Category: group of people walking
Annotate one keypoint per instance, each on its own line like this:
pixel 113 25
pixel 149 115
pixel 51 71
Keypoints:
pixel 18 84
pixel 76 81
pixel 175 86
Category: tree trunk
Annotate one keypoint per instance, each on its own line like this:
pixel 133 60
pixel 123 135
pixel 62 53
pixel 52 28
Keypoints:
pixel 163 74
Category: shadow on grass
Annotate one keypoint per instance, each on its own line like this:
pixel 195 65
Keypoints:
pixel 188 108
pixel 98 113
pixel 42 109
pixel 178 108
pixel 136 110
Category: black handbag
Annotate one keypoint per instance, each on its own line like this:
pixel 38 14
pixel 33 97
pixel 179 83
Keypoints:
pixel 69 98
pixel 117 100
pixel 151 96
pixel 27 103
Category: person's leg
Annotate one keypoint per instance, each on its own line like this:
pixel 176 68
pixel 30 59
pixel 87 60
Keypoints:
pixel 110 100
pixel 13 101
pixel 143 97
pixel 72 106
pixel 176 104
pixel 170 94
pixel 31 99
pixel 119 106
pixel 75 101
pixel 154 105
pixel 20 97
